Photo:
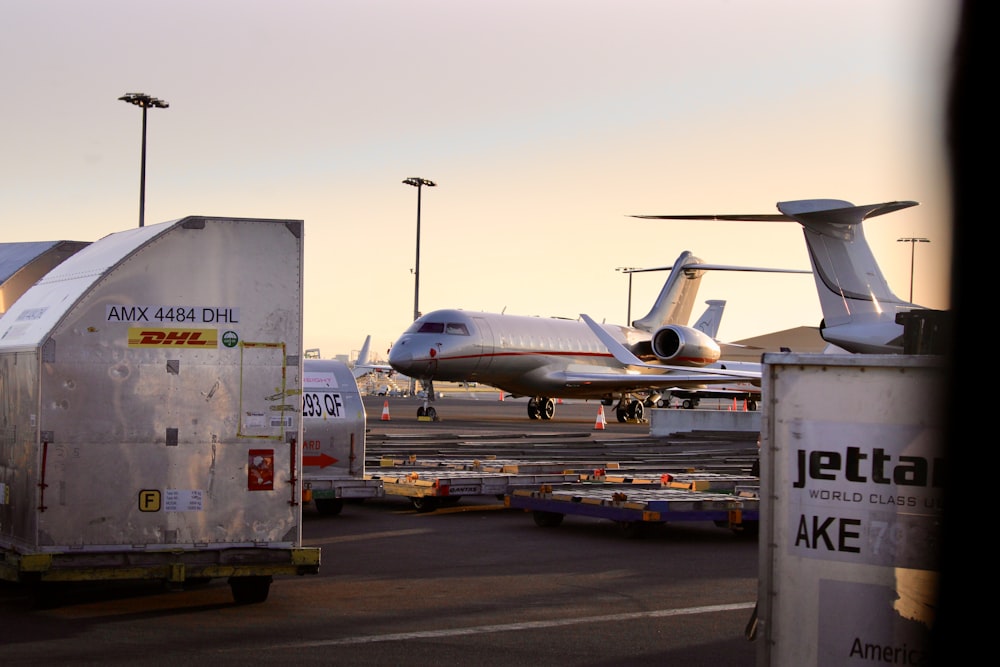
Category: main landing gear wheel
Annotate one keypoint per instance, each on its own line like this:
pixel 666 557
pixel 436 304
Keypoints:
pixel 541 408
pixel 632 410
pixel 427 412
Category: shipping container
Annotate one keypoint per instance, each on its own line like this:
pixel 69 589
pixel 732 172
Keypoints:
pixel 334 430
pixel 852 488
pixel 150 387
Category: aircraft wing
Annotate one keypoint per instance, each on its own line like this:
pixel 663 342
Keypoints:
pixel 364 369
pixel 638 382
pixel 624 356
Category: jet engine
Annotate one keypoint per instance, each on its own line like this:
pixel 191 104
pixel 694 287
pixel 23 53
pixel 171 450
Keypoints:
pixel 684 346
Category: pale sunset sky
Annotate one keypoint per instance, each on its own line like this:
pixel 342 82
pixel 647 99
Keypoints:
pixel 544 123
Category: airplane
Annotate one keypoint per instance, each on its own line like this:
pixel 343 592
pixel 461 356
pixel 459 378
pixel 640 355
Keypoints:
pixel 363 367
pixel 859 309
pixel 545 358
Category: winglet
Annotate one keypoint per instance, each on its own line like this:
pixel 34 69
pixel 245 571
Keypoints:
pixel 617 350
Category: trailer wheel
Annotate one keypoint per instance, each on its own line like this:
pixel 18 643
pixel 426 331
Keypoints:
pixel 426 504
pixel 687 404
pixel 250 590
pixel 632 529
pixel 547 519
pixel 197 582
pixel 329 506
pixel 747 529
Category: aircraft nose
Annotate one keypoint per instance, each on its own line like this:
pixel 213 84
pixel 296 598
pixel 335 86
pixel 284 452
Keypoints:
pixel 400 356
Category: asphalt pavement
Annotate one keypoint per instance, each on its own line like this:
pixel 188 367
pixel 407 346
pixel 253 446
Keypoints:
pixel 474 583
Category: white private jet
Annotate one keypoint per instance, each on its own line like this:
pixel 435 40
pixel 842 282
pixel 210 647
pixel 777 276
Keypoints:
pixel 859 309
pixel 548 358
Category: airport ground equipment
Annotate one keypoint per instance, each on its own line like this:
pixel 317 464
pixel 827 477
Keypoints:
pixel 853 458
pixel 427 489
pixel 333 445
pixel 636 508
pixel 150 388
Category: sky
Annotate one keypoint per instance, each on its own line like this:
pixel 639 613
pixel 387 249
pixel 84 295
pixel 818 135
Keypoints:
pixel 544 123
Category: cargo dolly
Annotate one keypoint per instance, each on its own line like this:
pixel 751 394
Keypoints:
pixel 330 492
pixel 428 489
pixel 637 508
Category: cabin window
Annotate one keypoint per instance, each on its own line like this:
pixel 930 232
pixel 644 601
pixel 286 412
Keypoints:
pixel 432 327
pixel 457 329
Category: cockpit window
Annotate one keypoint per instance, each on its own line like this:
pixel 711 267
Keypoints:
pixel 457 328
pixel 432 327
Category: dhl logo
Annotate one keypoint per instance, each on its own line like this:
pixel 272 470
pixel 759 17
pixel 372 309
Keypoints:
pixel 142 337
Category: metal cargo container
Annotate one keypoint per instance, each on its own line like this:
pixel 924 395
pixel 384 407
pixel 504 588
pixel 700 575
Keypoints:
pixel 852 487
pixel 333 440
pixel 22 264
pixel 150 394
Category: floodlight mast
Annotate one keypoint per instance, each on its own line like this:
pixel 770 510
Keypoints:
pixel 628 270
pixel 144 101
pixel 913 241
pixel 419 184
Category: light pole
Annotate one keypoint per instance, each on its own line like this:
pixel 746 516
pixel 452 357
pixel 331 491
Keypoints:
pixel 913 241
pixel 419 184
pixel 145 101
pixel 628 270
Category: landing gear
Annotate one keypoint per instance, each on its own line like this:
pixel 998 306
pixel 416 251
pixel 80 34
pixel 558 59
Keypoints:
pixel 426 411
pixel 629 409
pixel 540 407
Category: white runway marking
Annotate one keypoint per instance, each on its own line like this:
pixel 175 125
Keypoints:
pixel 507 627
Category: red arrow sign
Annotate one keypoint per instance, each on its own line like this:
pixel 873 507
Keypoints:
pixel 319 460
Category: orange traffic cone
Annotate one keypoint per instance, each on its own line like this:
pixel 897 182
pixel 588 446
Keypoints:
pixel 501 397
pixel 385 412
pixel 600 424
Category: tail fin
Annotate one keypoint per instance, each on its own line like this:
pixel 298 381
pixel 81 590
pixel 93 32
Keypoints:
pixel 859 308
pixel 849 282
pixel 362 359
pixel 674 303
pixel 710 320
pixel 676 299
